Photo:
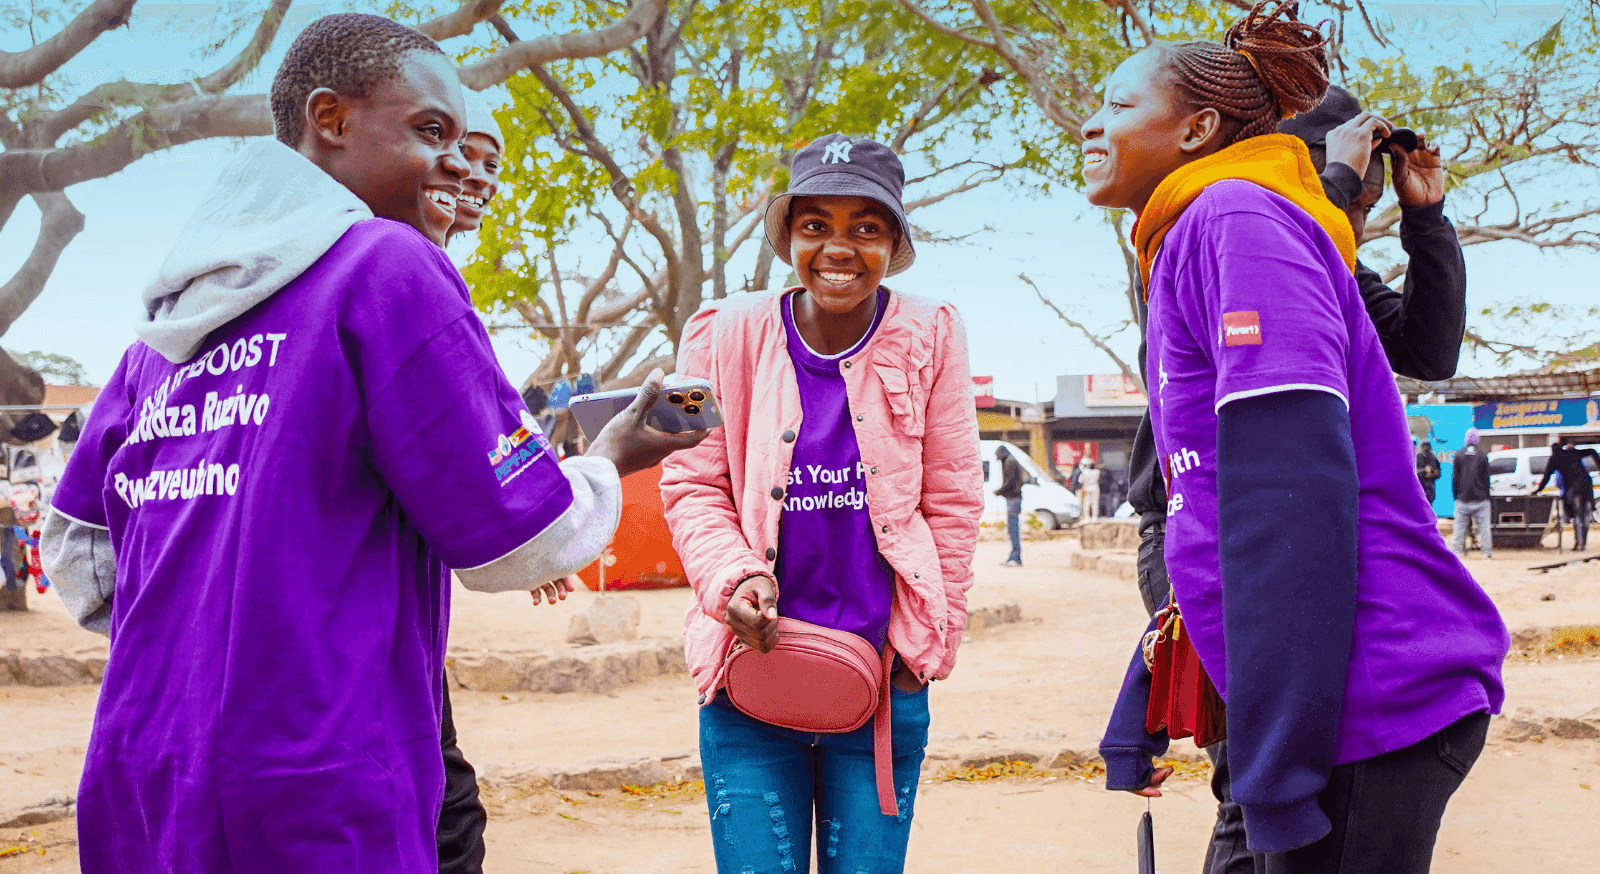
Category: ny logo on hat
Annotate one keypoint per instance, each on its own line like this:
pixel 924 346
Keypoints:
pixel 837 152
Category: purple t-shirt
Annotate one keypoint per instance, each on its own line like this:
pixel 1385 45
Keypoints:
pixel 1229 322
pixel 283 508
pixel 829 570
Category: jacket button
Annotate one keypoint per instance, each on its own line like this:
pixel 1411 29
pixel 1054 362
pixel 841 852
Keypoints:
pixel 772 554
pixel 874 471
pixel 777 493
pixel 886 529
pixel 788 436
pixel 917 575
pixel 860 418
pixel 847 365
pixel 702 698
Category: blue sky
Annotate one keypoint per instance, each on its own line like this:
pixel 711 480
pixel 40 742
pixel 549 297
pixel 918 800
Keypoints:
pixel 92 301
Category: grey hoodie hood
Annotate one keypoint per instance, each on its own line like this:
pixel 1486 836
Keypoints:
pixel 271 214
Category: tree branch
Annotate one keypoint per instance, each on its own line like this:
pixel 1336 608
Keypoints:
pixel 47 127
pixel 31 66
pixel 461 20
pixel 59 223
pixel 1127 372
pixel 30 170
pixel 1036 80
pixel 528 54
pixel 917 10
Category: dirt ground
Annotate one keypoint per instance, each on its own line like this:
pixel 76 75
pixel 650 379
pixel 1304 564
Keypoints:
pixel 1045 682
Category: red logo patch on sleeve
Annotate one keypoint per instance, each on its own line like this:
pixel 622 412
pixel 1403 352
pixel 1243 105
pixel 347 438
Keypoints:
pixel 1241 328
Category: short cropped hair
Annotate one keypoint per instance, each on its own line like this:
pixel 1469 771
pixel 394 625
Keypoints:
pixel 350 52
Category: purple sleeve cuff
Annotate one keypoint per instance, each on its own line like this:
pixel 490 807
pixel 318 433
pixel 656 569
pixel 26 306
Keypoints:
pixel 1283 827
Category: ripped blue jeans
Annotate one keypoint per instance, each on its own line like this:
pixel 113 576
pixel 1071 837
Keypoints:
pixel 764 785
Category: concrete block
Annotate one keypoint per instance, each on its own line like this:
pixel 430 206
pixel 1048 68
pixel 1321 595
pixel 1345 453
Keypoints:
pixel 608 619
pixel 611 772
pixel 1109 534
pixel 991 757
pixel 52 670
pixel 490 672
pixel 56 807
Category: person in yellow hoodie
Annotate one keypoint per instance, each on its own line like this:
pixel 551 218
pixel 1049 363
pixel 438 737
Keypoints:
pixel 1358 660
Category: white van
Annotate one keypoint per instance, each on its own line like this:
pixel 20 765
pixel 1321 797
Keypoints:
pixel 1053 504
pixel 1517 471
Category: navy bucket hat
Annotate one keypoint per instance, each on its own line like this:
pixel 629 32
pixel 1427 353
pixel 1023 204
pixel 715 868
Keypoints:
pixel 839 166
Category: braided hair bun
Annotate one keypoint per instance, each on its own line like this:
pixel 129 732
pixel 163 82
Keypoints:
pixel 1270 66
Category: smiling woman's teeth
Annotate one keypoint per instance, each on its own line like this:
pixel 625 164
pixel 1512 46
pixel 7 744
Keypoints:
pixel 837 278
pixel 1092 158
pixel 473 201
pixel 444 199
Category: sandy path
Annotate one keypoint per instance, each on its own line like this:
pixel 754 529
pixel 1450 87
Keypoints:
pixel 1046 681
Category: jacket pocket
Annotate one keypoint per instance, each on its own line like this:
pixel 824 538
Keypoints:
pixel 905 397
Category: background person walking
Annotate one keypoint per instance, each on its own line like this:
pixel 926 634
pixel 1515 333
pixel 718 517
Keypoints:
pixel 1577 489
pixel 1428 469
pixel 1469 481
pixel 1011 490
pixel 1089 478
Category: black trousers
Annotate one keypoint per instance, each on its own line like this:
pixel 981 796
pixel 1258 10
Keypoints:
pixel 462 819
pixel 1579 506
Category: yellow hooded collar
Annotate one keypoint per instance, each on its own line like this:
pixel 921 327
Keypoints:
pixel 1279 163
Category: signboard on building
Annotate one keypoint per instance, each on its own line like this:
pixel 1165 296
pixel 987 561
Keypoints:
pixel 1114 390
pixel 983 391
pixel 1549 415
pixel 1069 452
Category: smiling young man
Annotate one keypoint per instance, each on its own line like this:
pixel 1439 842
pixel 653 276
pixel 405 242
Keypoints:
pixel 264 467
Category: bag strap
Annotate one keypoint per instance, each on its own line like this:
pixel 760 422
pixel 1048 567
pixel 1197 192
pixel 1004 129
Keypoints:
pixel 883 740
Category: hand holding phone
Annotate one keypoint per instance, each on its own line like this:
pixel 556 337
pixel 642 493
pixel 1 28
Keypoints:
pixel 629 441
pixel 685 405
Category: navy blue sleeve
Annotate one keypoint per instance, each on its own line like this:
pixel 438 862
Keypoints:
pixel 1127 748
pixel 1289 604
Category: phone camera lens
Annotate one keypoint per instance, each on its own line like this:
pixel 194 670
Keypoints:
pixel 675 398
pixel 692 409
pixel 697 396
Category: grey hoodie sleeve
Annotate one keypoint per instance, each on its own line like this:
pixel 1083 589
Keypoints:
pixel 569 544
pixel 77 558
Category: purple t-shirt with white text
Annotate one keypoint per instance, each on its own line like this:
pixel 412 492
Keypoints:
pixel 829 570
pixel 283 509
pixel 1230 321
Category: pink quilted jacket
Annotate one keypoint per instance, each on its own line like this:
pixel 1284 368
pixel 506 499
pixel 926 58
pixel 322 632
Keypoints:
pixel 911 393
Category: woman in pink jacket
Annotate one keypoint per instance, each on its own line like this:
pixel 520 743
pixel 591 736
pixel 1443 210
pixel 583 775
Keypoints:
pixel 844 490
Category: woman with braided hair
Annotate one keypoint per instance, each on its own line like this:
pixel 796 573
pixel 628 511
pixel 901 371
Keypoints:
pixel 1358 659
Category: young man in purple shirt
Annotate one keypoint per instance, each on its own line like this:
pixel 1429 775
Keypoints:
pixel 265 465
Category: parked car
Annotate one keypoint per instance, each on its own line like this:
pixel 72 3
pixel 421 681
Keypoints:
pixel 1053 504
pixel 1517 471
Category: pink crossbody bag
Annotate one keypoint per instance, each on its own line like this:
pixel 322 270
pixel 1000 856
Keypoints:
pixel 820 680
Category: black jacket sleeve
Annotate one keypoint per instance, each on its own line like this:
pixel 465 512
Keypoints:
pixel 1289 604
pixel 1422 324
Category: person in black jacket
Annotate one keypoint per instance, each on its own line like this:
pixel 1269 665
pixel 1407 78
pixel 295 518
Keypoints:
pixel 1421 326
pixel 1011 490
pixel 1470 481
pixel 1428 469
pixel 1577 490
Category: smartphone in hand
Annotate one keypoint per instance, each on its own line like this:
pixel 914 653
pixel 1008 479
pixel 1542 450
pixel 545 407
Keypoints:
pixel 686 405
